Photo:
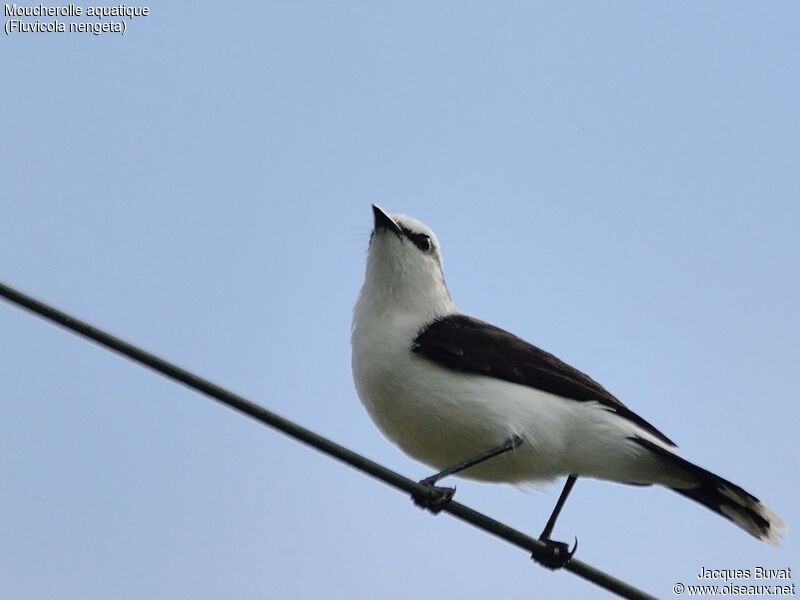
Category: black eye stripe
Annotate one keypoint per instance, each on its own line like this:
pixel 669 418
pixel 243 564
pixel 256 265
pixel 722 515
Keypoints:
pixel 420 240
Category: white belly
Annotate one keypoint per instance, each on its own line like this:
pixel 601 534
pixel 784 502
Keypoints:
pixel 442 417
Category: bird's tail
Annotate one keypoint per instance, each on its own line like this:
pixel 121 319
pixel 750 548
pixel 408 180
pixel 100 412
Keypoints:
pixel 722 496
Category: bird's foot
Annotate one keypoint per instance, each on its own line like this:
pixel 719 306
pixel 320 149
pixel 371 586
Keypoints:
pixel 433 498
pixel 555 554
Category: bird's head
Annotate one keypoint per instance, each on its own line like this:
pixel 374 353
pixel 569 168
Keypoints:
pixel 404 266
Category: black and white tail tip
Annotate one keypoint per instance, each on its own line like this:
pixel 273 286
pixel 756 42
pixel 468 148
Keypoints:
pixel 724 498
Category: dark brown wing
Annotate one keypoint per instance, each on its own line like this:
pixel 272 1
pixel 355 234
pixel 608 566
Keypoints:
pixel 465 344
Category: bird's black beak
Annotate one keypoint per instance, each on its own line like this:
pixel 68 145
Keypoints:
pixel 384 221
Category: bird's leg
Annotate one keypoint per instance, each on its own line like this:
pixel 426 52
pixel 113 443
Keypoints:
pixel 551 522
pixel 510 444
pixel 558 553
pixel 435 498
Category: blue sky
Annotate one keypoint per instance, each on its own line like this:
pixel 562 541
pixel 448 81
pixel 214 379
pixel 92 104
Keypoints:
pixel 615 182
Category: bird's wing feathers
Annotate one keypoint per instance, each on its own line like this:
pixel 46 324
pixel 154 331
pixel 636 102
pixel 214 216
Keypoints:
pixel 469 345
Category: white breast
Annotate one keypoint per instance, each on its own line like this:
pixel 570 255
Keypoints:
pixel 442 417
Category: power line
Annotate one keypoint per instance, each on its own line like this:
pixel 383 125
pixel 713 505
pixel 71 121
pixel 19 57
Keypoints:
pixel 355 460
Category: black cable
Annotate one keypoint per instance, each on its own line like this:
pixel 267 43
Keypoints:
pixel 479 520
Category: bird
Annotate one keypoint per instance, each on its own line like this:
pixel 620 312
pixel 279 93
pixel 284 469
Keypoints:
pixel 471 399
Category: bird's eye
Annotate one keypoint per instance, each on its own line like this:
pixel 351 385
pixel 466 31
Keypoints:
pixel 422 241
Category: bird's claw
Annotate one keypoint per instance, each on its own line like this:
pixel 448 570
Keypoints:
pixel 555 554
pixel 433 498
